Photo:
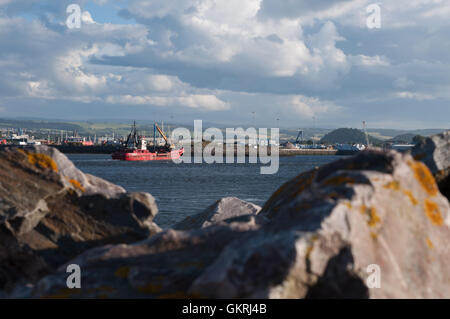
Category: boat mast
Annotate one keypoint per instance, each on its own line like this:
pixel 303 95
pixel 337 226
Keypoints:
pixel 366 135
pixel 154 134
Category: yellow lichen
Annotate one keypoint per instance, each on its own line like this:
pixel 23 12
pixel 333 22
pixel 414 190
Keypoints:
pixel 425 178
pixel 429 243
pixel 373 235
pixel 77 185
pixel 394 185
pixel 411 197
pixel 333 195
pixel 420 156
pixel 303 206
pixel 310 247
pixel 122 272
pixel 293 188
pixel 42 161
pixel 339 180
pixel 348 204
pixel 373 217
pixel 150 288
pixel 371 213
pixel 309 250
pixel 433 212
pixel 304 182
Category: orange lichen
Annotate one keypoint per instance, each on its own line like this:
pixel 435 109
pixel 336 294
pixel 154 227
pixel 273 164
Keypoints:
pixel 308 252
pixel 425 178
pixel 310 247
pixel 333 195
pixel 122 272
pixel 77 185
pixel 394 185
pixel 304 182
pixel 363 209
pixel 429 243
pixel 42 161
pixel 420 156
pixel 290 190
pixel 339 180
pixel 348 204
pixel 411 197
pixel 373 218
pixel 150 288
pixel 373 235
pixel 433 212
pixel 303 206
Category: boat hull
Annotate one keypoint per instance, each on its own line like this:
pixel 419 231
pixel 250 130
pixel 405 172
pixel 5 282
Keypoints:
pixel 145 155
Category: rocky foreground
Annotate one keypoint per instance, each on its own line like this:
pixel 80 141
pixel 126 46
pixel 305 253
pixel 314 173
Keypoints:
pixel 320 235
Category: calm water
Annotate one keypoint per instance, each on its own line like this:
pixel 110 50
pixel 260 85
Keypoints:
pixel 186 189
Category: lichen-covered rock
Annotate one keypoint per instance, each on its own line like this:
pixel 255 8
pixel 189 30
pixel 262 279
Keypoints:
pixel 320 235
pixel 227 209
pixel 163 266
pixel 50 212
pixel 435 153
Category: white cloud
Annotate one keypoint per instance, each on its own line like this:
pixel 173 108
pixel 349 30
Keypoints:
pixel 369 61
pixel 312 106
pixel 197 101
pixel 305 57
pixel 413 96
pixel 160 82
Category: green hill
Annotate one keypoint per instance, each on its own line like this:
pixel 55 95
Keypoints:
pixel 403 138
pixel 347 136
pixel 408 138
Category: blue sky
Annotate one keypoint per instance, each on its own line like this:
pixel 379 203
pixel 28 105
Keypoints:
pixel 220 61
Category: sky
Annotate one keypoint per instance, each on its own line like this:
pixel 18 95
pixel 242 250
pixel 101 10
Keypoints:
pixel 266 63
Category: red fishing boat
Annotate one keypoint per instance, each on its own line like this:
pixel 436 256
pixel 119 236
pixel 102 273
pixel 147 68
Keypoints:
pixel 136 149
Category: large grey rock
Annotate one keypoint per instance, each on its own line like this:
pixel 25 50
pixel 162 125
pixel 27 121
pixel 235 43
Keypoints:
pixel 316 237
pixel 163 266
pixel 50 212
pixel 435 153
pixel 90 184
pixel 227 209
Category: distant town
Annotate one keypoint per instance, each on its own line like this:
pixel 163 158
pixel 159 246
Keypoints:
pixel 111 135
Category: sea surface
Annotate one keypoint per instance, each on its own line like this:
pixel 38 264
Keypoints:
pixel 186 189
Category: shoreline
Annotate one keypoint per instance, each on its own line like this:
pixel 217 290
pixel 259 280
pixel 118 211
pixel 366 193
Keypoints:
pixel 110 149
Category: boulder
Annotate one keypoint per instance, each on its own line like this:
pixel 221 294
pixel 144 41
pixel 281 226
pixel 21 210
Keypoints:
pixel 50 212
pixel 227 209
pixel 163 266
pixel 328 233
pixel 435 153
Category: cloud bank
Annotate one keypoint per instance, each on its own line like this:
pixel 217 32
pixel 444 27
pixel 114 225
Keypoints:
pixel 229 61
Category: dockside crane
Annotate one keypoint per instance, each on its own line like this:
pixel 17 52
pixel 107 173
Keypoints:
pixel 160 131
